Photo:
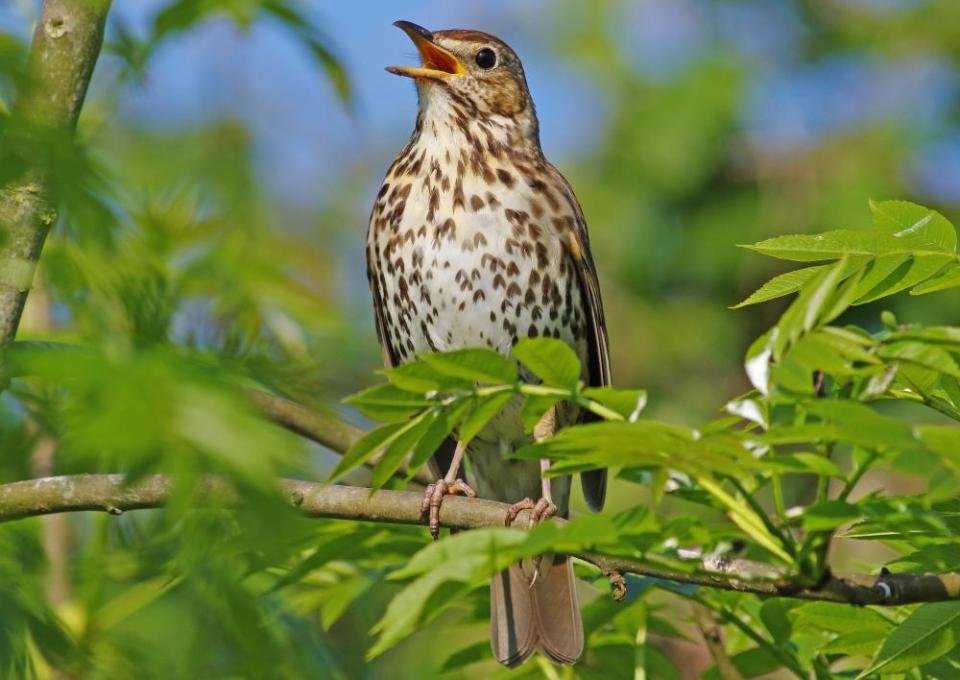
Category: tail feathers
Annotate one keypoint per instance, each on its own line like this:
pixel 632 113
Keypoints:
pixel 543 617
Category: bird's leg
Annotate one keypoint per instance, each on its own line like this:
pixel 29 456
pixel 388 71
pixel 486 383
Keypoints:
pixel 449 485
pixel 544 508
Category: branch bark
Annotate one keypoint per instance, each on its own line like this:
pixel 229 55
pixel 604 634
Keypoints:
pixel 109 493
pixel 66 44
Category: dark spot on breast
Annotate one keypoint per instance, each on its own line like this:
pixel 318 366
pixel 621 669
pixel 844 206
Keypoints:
pixel 476 202
pixel 505 177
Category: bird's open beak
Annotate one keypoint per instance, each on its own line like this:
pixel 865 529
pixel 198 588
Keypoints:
pixel 436 61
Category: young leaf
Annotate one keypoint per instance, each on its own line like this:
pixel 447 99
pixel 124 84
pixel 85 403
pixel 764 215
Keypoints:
pixel 551 360
pixel 480 365
pixel 387 403
pixel 365 447
pixel 780 285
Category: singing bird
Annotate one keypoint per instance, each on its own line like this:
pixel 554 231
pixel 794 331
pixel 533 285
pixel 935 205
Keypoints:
pixel 476 240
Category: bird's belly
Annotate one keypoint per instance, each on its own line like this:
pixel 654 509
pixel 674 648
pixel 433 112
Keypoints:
pixel 478 282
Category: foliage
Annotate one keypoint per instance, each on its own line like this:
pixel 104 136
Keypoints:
pixel 820 407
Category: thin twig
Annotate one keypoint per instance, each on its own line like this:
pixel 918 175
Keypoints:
pixel 713 638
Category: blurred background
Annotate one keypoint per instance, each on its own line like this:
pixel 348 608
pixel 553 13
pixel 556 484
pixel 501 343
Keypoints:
pixel 233 160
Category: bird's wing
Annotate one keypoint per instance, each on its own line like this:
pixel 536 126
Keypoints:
pixel 443 457
pixel 594 482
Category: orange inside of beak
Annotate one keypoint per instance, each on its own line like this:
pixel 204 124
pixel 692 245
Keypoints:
pixel 435 58
pixel 436 61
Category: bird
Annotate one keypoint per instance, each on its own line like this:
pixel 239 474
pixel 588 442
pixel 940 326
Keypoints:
pixel 476 240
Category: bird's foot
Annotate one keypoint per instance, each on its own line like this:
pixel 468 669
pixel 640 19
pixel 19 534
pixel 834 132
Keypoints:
pixel 433 499
pixel 541 510
pixel 544 508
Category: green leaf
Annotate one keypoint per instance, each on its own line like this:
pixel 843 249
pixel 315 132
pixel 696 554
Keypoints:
pixel 479 651
pixel 480 365
pixel 780 285
pixel 948 278
pixel 920 225
pixel 640 444
pixel 775 616
pixel 444 422
pixel 551 360
pixel 831 245
pixel 418 603
pixel 386 402
pixel 807 310
pixel 877 272
pixel 803 463
pixel 908 275
pixel 481 413
pixel 338 598
pixel 132 600
pixel 366 446
pixel 398 449
pixel 837 618
pixel 420 377
pixel 628 403
pixel 929 632
pixel 854 643
pixel 928 356
pixel 828 515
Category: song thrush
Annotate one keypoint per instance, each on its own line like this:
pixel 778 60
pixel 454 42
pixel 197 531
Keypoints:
pixel 475 240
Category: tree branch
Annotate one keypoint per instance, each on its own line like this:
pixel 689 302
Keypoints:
pixel 66 44
pixel 109 493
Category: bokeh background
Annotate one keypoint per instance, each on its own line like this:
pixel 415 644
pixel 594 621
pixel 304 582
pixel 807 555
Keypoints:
pixel 686 127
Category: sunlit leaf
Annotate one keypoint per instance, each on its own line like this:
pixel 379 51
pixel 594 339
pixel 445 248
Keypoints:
pixel 929 632
pixel 551 360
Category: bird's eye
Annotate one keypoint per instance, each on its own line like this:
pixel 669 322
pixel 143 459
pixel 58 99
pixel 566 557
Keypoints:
pixel 486 58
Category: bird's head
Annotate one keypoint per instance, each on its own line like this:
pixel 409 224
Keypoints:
pixel 472 69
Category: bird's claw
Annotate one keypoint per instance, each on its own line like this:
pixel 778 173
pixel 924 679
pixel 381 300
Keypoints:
pixel 541 510
pixel 433 499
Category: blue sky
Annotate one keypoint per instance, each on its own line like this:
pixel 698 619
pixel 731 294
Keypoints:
pixel 305 139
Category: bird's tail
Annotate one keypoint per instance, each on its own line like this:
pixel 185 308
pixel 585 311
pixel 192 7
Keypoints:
pixel 544 616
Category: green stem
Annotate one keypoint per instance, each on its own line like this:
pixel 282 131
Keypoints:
pixel 787 659
pixel 778 504
pixel 856 475
pixel 785 537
